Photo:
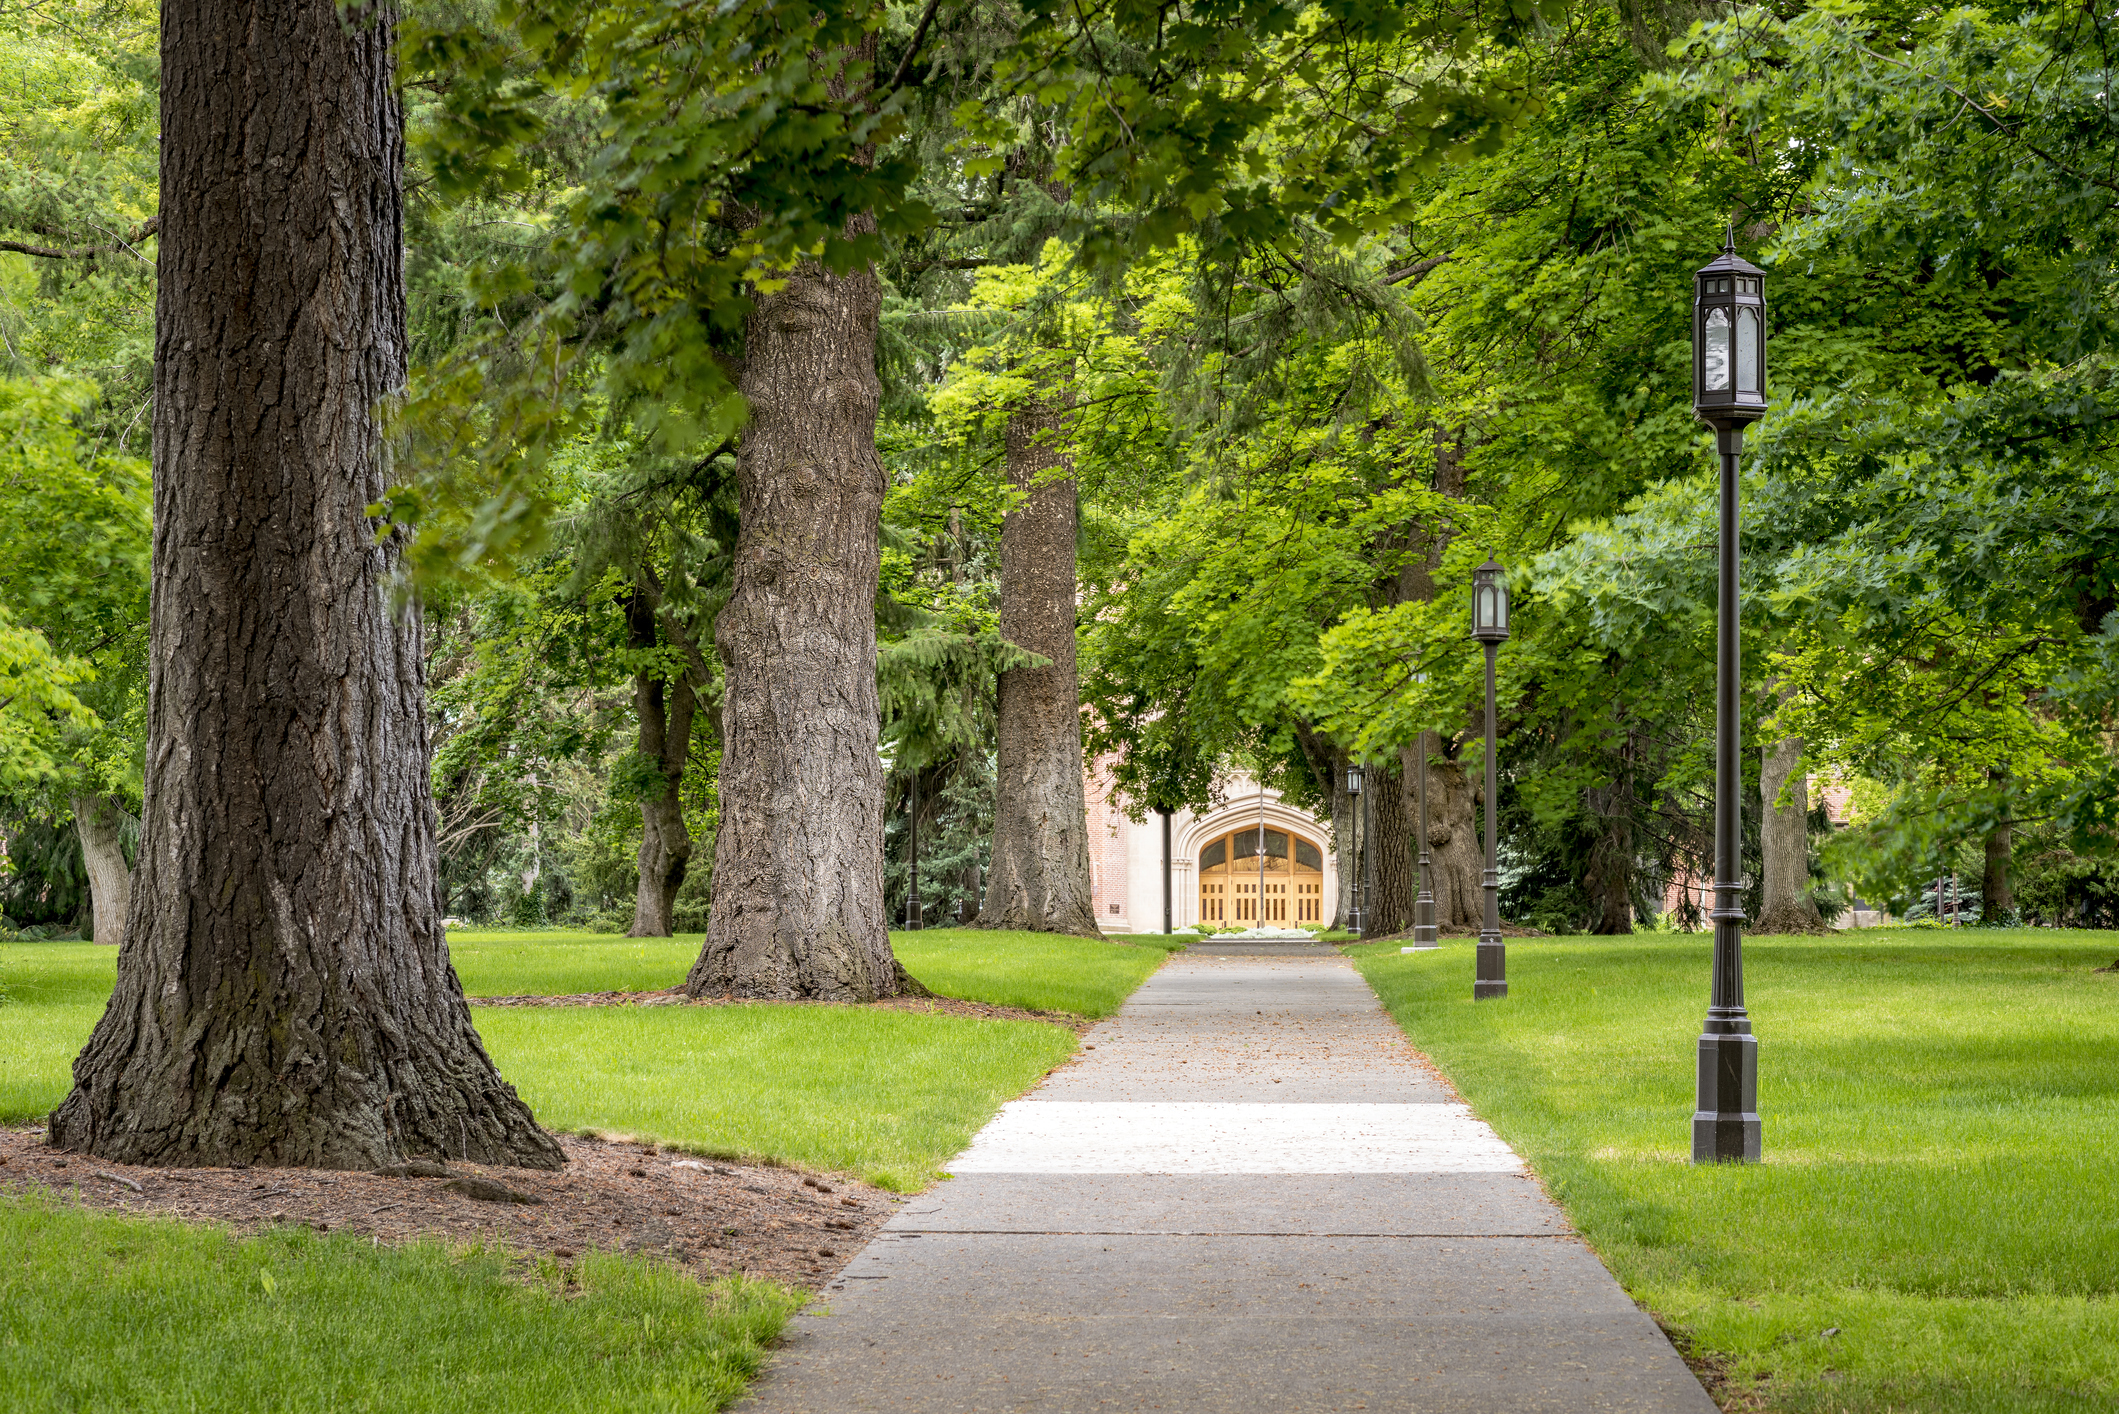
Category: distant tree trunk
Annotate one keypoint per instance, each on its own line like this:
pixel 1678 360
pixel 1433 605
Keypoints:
pixel 665 709
pixel 284 994
pixel 1391 910
pixel 798 907
pixel 1039 878
pixel 1455 853
pixel 1327 765
pixel 1996 898
pixel 1342 915
pixel 1785 905
pixel 1455 861
pixel 1607 877
pixel 96 821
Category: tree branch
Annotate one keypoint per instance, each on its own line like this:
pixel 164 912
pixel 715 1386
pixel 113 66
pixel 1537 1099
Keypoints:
pixel 1415 270
pixel 919 37
pixel 87 252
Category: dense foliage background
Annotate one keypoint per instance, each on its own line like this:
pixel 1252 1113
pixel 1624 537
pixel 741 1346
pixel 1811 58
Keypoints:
pixel 1376 294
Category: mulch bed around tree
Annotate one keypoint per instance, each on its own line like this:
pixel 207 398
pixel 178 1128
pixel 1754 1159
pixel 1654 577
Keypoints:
pixel 674 996
pixel 709 1218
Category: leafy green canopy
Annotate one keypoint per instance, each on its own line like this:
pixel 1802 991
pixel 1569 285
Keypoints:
pixel 740 139
pixel 73 599
pixel 1240 121
pixel 1939 499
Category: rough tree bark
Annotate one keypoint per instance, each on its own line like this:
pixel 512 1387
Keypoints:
pixel 1785 905
pixel 665 708
pixel 1455 853
pixel 1039 878
pixel 798 906
pixel 1392 808
pixel 284 994
pixel 96 822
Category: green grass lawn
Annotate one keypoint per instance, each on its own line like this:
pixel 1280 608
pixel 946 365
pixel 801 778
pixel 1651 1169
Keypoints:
pixel 106 1313
pixel 558 964
pixel 1042 971
pixel 294 1321
pixel 1941 1120
pixel 885 1095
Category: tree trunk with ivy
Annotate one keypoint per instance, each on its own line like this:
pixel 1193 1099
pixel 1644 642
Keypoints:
pixel 284 994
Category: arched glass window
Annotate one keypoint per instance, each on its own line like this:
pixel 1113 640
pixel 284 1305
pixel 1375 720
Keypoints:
pixel 1747 350
pixel 1714 351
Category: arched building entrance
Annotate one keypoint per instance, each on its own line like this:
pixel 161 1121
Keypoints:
pixel 1236 885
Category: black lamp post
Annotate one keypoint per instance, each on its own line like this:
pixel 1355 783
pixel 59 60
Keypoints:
pixel 1728 393
pixel 1353 788
pixel 1490 627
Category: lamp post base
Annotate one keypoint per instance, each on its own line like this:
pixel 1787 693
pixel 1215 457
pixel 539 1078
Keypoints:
pixel 1725 1127
pixel 1424 932
pixel 1491 978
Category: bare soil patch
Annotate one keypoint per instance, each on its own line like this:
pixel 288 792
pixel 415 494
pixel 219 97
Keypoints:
pixel 674 996
pixel 706 1217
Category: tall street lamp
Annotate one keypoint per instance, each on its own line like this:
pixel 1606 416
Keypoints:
pixel 1490 627
pixel 1728 393
pixel 1353 788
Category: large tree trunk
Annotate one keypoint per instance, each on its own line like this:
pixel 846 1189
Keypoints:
pixel 798 863
pixel 284 994
pixel 665 710
pixel 1039 878
pixel 96 821
pixel 1997 900
pixel 1785 905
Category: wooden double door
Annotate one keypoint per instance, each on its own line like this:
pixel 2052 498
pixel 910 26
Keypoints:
pixel 1280 883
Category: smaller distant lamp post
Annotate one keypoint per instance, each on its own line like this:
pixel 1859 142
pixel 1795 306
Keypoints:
pixel 1728 394
pixel 913 919
pixel 1490 627
pixel 1353 788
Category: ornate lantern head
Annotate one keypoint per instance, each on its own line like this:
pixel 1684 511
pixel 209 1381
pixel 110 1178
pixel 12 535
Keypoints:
pixel 1490 603
pixel 1353 778
pixel 1729 341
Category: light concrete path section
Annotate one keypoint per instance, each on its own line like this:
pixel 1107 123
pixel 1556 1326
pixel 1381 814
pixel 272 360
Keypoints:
pixel 1191 1136
pixel 1164 1225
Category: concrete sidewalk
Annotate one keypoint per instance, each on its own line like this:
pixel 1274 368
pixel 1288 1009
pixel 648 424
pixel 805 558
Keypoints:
pixel 1246 1194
